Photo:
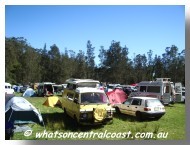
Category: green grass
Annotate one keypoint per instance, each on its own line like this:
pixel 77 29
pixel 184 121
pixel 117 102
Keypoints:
pixel 172 122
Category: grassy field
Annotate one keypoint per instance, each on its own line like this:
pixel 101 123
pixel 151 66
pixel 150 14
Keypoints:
pixel 173 123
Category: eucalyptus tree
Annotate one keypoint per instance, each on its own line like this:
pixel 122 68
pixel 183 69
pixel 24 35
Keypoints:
pixel 90 60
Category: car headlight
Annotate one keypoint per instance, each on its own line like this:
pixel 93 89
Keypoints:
pixel 84 115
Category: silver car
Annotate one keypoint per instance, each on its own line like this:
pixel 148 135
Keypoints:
pixel 141 107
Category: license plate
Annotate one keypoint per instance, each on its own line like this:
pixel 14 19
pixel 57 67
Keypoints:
pixel 156 109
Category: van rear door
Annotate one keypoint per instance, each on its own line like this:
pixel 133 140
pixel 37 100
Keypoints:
pixel 178 92
pixel 166 99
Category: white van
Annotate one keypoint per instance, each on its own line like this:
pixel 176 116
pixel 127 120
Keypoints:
pixel 8 89
pixel 161 89
pixel 180 97
pixel 183 94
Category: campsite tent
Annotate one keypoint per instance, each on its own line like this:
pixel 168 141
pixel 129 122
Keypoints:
pixel 52 101
pixel 117 96
pixel 29 93
pixel 19 110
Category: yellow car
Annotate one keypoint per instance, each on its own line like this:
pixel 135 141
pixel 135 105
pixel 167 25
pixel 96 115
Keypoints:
pixel 87 105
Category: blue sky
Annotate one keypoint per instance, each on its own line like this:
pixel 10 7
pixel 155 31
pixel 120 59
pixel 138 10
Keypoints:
pixel 140 28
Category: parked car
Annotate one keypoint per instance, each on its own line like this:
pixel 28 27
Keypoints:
pixel 132 88
pixel 88 106
pixel 111 87
pixel 45 89
pixel 141 107
pixel 23 89
pixel 183 94
pixel 161 88
pixel 8 89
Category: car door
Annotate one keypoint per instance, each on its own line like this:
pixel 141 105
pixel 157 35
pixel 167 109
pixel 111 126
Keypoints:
pixel 70 102
pixel 76 105
pixel 125 106
pixel 135 106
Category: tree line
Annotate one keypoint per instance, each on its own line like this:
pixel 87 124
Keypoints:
pixel 25 64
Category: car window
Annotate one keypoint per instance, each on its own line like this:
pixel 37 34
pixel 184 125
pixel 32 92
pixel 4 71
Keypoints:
pixel 128 101
pixel 70 96
pixel 142 88
pixel 76 98
pixel 167 89
pixel 136 102
pixel 152 103
pixel 153 89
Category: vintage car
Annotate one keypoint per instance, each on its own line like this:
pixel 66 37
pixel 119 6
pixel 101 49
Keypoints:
pixel 87 105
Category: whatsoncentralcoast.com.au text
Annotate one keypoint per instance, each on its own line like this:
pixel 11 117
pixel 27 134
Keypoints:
pixel 91 135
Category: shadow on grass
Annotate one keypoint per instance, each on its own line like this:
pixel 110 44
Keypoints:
pixel 169 105
pixel 125 117
pixel 61 121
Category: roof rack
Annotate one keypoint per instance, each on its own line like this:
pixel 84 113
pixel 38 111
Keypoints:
pixel 75 81
pixel 163 79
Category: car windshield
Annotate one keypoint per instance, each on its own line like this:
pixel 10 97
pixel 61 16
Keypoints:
pixel 94 98
pixel 152 102
pixel 88 84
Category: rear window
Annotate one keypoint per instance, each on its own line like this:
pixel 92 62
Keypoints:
pixel 167 89
pixel 152 102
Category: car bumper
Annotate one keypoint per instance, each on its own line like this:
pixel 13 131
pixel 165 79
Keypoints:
pixel 94 122
pixel 152 115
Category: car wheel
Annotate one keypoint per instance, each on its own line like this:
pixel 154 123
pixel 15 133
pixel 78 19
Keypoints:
pixel 139 116
pixel 117 110
pixel 65 111
pixel 75 121
pixel 157 118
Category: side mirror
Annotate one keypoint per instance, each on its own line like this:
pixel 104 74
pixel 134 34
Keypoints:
pixel 76 100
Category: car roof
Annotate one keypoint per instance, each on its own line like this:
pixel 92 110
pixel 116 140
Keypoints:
pixel 145 98
pixel 88 90
pixel 7 84
pixel 75 81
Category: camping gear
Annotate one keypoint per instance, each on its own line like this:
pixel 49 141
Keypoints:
pixel 117 96
pixel 29 93
pixel 52 101
pixel 19 110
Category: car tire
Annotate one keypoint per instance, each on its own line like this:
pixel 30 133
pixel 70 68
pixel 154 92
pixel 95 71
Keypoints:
pixel 117 110
pixel 65 112
pixel 139 116
pixel 157 118
pixel 76 123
